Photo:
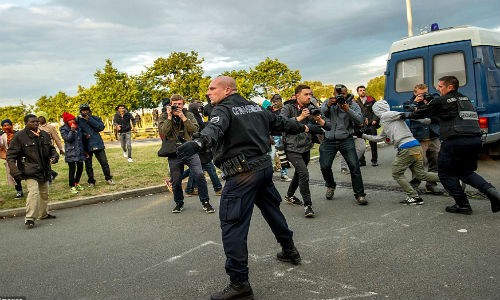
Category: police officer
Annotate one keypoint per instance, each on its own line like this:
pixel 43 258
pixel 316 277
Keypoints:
pixel 461 142
pixel 238 133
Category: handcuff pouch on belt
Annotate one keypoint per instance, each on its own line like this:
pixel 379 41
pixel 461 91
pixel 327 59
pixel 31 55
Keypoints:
pixel 239 164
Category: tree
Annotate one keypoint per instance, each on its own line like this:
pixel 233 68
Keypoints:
pixel 15 113
pixel 180 73
pixel 376 87
pixel 273 77
pixel 54 106
pixel 243 82
pixel 320 91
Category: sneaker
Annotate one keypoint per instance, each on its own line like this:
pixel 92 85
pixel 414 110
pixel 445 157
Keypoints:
pixel 329 193
pixel 73 190
pixel 289 255
pixel 344 171
pixel 433 190
pixel 413 201
pixel 285 178
pixel 218 193
pixel 374 164
pixel 130 160
pixel 293 200
pixel 362 163
pixel 178 208
pixel 237 290
pixel 48 216
pixel 456 209
pixel 29 224
pixel 308 212
pixel 79 187
pixel 125 154
pixel 361 200
pixel 91 185
pixel 19 194
pixel 207 207
pixel 110 182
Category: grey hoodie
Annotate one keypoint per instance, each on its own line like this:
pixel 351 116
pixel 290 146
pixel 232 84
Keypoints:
pixel 392 126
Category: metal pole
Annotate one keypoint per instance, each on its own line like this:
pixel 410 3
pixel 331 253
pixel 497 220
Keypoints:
pixel 409 18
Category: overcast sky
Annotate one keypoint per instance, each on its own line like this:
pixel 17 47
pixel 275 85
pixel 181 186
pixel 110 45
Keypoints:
pixel 48 46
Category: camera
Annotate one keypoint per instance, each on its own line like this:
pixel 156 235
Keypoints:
pixel 428 97
pixel 339 97
pixel 410 106
pixel 174 107
pixel 314 110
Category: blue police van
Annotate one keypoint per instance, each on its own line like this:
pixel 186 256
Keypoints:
pixel 471 54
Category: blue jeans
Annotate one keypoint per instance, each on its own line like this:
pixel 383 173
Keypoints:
pixel 210 169
pixel 176 166
pixel 272 152
pixel 327 152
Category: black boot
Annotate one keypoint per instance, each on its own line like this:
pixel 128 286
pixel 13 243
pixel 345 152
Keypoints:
pixel 459 209
pixel 494 197
pixel 235 290
pixel 289 254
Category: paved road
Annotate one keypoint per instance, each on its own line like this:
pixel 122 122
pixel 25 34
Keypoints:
pixel 136 249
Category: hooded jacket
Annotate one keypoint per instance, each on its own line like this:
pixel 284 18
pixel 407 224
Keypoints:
pixel 92 139
pixel 393 127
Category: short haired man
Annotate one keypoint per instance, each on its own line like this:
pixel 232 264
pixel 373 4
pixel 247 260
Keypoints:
pixel 178 125
pixel 29 157
pixel 124 123
pixel 461 143
pixel 371 122
pixel 298 145
pixel 344 114
pixel 238 133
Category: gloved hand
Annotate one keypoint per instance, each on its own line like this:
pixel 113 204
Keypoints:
pixel 315 129
pixel 404 115
pixel 188 149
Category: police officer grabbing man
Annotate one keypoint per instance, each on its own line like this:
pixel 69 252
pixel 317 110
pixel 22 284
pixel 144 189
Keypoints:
pixel 461 143
pixel 238 133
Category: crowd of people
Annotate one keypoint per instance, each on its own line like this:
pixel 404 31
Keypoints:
pixel 439 143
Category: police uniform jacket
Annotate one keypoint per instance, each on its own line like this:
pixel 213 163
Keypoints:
pixel 421 131
pixel 453 121
pixel 29 155
pixel 238 126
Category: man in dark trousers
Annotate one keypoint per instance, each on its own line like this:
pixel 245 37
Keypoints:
pixel 29 156
pixel 238 133
pixel 371 122
pixel 461 143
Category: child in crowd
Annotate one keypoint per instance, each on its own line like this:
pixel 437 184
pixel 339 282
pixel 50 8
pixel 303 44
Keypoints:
pixel 409 154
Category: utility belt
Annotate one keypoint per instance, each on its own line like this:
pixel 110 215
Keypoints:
pixel 239 164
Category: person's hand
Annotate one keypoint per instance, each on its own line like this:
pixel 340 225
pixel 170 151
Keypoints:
pixel 188 149
pixel 61 152
pixel 53 160
pixel 331 101
pixel 303 114
pixel 118 127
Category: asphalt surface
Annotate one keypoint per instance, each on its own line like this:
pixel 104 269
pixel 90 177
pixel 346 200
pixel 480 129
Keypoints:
pixel 135 248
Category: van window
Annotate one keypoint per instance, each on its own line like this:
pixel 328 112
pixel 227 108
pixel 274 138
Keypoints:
pixel 496 55
pixel 449 64
pixel 408 74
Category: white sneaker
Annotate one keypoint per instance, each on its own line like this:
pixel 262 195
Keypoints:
pixel 125 154
pixel 130 160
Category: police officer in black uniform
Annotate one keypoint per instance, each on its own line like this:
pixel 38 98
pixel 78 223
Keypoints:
pixel 238 133
pixel 461 142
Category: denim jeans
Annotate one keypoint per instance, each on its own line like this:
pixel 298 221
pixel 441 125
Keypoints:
pixel 210 169
pixel 126 142
pixel 327 152
pixel 176 166
pixel 272 152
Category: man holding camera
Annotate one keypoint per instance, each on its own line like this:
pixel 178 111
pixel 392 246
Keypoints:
pixel 298 146
pixel 178 125
pixel 371 123
pixel 344 115
pixel 426 134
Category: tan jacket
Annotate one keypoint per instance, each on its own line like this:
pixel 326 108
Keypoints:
pixel 52 131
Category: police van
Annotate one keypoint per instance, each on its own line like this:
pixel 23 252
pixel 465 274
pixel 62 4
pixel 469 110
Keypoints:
pixel 471 54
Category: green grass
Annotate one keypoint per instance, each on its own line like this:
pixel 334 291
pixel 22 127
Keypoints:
pixel 147 170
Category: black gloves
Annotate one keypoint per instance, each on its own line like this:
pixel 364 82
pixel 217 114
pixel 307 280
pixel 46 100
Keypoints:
pixel 188 149
pixel 404 115
pixel 315 129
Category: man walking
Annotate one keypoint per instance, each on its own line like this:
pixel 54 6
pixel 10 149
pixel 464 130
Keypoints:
pixel 124 123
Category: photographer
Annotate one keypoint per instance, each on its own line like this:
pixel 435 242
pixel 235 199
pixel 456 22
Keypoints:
pixel 426 134
pixel 298 146
pixel 344 115
pixel 178 125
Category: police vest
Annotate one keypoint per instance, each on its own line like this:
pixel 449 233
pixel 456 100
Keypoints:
pixel 466 122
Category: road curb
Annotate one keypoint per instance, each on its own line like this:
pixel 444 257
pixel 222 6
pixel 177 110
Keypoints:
pixel 21 211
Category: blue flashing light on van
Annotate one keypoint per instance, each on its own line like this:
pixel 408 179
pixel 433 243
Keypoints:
pixel 472 54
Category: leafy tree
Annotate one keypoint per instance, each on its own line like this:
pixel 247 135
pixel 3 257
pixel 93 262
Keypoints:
pixel 54 106
pixel 15 113
pixel 244 82
pixel 273 77
pixel 180 73
pixel 320 91
pixel 375 87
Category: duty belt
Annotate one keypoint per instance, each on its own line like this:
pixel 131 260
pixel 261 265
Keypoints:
pixel 240 164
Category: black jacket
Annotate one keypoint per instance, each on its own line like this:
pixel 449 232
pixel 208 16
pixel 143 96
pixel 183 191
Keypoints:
pixel 124 121
pixel 29 155
pixel 238 126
